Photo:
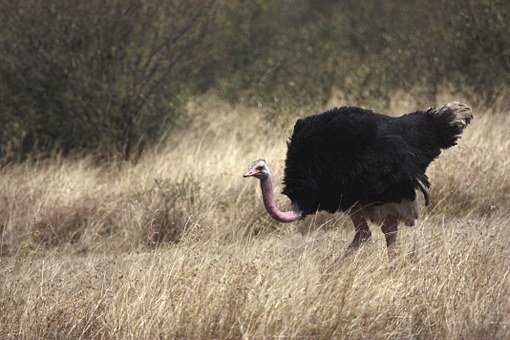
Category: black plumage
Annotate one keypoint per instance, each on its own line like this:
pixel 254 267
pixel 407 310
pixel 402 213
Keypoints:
pixel 349 155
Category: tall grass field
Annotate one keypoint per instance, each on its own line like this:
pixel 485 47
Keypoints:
pixel 179 245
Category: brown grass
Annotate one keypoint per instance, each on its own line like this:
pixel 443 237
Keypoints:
pixel 179 246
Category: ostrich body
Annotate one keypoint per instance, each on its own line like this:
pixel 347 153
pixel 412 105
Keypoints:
pixel 363 163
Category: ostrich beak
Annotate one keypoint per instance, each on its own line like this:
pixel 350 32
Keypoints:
pixel 249 173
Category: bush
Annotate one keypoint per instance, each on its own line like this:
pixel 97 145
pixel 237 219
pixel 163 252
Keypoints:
pixel 295 51
pixel 108 76
pixel 112 76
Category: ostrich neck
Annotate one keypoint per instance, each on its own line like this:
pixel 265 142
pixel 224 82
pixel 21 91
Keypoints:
pixel 282 216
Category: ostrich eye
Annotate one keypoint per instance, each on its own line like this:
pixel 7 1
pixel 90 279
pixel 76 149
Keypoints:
pixel 260 168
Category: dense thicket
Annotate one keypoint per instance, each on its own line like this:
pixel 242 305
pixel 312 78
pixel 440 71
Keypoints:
pixel 113 75
pixel 299 50
pixel 107 76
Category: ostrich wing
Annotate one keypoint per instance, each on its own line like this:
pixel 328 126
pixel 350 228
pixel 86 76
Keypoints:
pixel 388 171
pixel 342 157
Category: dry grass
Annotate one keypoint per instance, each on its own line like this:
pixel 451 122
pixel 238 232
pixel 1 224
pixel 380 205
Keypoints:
pixel 179 245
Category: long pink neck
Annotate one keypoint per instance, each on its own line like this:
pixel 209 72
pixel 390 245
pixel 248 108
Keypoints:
pixel 282 216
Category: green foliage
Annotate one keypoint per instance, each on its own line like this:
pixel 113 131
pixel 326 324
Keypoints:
pixel 112 76
pixel 106 76
pixel 295 51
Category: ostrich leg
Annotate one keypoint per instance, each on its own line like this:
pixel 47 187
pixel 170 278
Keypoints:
pixel 362 231
pixel 362 235
pixel 390 228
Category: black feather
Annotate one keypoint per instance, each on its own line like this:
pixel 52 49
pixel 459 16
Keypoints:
pixel 348 156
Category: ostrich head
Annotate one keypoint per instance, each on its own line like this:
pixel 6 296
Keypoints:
pixel 258 169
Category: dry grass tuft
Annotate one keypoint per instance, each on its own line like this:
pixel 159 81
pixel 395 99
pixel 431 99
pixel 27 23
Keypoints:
pixel 179 246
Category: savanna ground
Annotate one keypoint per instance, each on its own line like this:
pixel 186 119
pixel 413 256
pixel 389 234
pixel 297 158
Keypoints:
pixel 179 245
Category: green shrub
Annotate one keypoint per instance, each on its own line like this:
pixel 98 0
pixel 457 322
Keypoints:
pixel 112 76
pixel 294 52
pixel 108 76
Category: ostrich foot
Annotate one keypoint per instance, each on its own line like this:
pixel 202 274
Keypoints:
pixel 390 229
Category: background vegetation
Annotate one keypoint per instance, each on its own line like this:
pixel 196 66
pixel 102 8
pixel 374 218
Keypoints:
pixel 176 243
pixel 179 245
pixel 113 76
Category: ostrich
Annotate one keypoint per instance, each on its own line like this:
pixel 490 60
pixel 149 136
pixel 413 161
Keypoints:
pixel 366 164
